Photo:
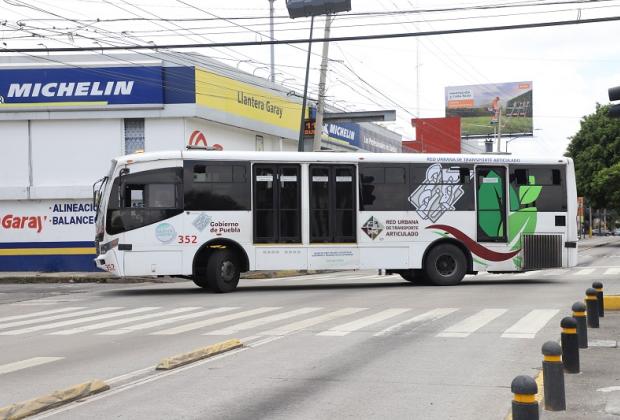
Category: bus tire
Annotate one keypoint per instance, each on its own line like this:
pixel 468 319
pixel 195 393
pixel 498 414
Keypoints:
pixel 445 265
pixel 223 271
pixel 200 282
pixel 414 276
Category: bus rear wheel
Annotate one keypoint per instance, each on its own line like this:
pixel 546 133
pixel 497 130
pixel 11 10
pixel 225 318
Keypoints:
pixel 445 265
pixel 223 271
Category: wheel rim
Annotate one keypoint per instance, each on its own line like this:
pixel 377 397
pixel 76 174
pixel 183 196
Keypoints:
pixel 446 265
pixel 228 271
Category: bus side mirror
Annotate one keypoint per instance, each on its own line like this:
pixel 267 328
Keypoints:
pixel 121 186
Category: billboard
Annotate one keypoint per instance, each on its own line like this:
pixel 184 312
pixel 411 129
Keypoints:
pixel 485 109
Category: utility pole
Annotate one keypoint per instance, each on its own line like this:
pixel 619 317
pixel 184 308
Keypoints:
pixel 318 125
pixel 273 65
pixel 499 127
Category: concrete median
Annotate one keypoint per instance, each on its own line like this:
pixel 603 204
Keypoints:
pixel 198 354
pixel 53 400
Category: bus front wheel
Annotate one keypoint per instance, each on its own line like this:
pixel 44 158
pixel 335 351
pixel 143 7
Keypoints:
pixel 223 271
pixel 445 265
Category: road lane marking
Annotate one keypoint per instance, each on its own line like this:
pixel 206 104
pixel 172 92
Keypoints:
pixel 160 322
pixel 431 315
pixel 612 271
pixel 34 314
pixel 24 364
pixel 471 324
pixel 530 324
pixel 212 321
pixel 78 321
pixel 306 323
pixel 115 322
pixel 344 329
pixel 57 317
pixel 261 321
pixel 584 272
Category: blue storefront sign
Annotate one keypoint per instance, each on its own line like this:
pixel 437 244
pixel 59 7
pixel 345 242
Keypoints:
pixel 88 87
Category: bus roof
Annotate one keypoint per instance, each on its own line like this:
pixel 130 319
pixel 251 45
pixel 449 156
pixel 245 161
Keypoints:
pixel 341 157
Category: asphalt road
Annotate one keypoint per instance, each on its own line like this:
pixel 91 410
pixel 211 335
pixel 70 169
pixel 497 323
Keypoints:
pixel 339 345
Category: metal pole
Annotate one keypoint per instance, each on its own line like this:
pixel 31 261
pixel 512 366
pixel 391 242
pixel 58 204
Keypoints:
pixel 273 65
pixel 499 127
pixel 318 125
pixel 590 225
pixel 300 145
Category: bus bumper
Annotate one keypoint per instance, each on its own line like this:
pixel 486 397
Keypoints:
pixel 109 262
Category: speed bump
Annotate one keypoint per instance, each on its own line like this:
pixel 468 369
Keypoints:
pixel 612 302
pixel 198 354
pixel 53 400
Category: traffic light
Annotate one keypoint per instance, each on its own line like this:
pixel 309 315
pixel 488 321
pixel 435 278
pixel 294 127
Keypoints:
pixel 614 95
pixel 305 8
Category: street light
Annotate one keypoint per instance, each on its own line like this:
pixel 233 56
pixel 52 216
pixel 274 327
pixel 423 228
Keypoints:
pixel 312 8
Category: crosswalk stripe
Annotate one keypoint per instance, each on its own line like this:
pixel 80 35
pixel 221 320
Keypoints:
pixel 27 363
pixel 554 272
pixel 344 329
pixel 612 271
pixel 530 324
pixel 160 322
pixel 57 317
pixel 472 324
pixel 212 321
pixel 261 321
pixel 121 321
pixel 78 321
pixel 41 313
pixel 584 272
pixel 431 315
pixel 310 322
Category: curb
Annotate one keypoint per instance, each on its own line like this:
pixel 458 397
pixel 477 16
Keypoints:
pixel 612 302
pixel 53 400
pixel 198 354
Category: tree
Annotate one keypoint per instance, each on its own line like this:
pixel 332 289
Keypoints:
pixel 596 152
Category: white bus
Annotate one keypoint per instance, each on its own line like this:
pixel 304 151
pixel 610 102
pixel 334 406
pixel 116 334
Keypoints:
pixel 211 215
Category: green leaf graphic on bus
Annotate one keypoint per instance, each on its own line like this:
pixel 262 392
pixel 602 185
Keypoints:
pixel 523 219
pixel 490 198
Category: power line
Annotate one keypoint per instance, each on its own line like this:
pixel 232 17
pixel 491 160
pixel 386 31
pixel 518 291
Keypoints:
pixel 316 40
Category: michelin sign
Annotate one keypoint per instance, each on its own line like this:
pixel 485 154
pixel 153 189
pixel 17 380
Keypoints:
pixel 101 87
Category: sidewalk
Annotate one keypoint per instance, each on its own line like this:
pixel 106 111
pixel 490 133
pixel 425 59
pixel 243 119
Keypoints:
pixel 595 241
pixel 101 277
pixel 595 392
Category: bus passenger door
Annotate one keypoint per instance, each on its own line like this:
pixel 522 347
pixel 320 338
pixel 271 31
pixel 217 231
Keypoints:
pixel 332 204
pixel 491 200
pixel 277 203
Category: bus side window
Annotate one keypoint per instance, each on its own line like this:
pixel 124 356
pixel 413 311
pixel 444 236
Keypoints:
pixel 384 187
pixel 217 185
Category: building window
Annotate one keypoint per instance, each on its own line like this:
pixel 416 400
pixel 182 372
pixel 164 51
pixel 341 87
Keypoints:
pixel 134 135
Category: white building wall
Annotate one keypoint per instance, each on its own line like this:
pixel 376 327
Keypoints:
pixel 14 160
pixel 69 155
pixel 164 134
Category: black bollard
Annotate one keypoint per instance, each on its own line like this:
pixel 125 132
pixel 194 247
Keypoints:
pixel 553 377
pixel 592 308
pixel 579 313
pixel 524 404
pixel 570 345
pixel 598 286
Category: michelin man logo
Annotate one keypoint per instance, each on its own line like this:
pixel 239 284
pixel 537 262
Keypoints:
pixel 438 193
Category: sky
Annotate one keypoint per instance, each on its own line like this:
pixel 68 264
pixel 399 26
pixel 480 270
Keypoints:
pixel 571 67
